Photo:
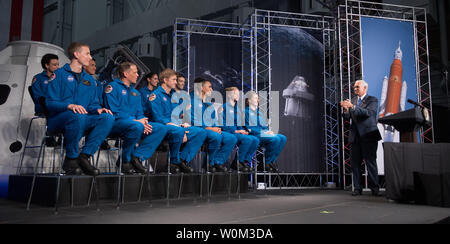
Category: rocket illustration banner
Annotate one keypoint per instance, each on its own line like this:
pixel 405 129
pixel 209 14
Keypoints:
pixel 389 67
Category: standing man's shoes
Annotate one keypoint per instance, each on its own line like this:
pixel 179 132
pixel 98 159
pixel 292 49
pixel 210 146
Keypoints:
pixel 357 193
pixel 376 193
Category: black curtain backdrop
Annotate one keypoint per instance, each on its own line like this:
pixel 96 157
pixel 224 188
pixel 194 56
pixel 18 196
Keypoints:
pixel 299 52
pixel 217 59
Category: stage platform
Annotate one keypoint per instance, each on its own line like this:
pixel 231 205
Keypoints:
pixel 275 207
pixel 82 190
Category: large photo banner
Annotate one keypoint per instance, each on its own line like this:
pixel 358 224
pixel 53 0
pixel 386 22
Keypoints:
pixel 218 59
pixel 297 74
pixel 389 67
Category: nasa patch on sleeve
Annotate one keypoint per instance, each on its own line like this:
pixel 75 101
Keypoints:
pixel 52 77
pixel 108 89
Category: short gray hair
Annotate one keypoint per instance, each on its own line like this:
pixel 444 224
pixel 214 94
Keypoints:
pixel 363 82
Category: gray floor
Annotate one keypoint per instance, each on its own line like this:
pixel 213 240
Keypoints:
pixel 280 207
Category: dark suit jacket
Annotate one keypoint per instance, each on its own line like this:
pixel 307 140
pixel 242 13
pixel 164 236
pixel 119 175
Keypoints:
pixel 364 120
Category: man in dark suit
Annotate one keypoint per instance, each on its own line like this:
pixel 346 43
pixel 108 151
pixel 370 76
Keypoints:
pixel 364 136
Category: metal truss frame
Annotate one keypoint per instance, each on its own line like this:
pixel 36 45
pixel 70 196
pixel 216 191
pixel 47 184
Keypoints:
pixel 184 28
pixel 351 63
pixel 248 51
pixel 261 22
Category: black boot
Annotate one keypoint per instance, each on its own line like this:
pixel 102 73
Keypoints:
pixel 71 167
pixel 137 165
pixel 127 168
pixel 85 165
pixel 51 141
pixel 247 167
pixel 211 169
pixel 174 168
pixel 185 167
pixel 105 145
pixel 220 168
pixel 274 167
pixel 244 168
pixel 269 168
pixel 234 165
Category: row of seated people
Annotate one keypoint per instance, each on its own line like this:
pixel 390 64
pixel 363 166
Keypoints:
pixel 79 106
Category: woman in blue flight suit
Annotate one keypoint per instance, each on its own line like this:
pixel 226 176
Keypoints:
pixel 233 123
pixel 151 81
pixel 131 124
pixel 257 126
pixel 39 86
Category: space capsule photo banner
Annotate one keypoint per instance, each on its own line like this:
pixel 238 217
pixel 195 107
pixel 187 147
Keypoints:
pixel 297 74
pixel 389 67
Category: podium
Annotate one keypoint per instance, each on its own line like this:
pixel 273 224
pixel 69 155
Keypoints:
pixel 407 122
pixel 418 173
pixel 415 172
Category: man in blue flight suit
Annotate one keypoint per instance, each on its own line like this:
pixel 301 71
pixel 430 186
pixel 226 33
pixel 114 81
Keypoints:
pixel 126 104
pixel 220 143
pixel 257 126
pixel 181 82
pixel 163 107
pixel 50 63
pixel 147 95
pixel 91 69
pixel 233 123
pixel 180 95
pixel 74 109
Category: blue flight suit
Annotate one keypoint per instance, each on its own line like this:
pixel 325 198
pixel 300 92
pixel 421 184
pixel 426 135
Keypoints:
pixel 100 89
pixel 162 107
pixel 126 104
pixel 79 89
pixel 247 143
pixel 256 125
pixel 39 87
pixel 146 95
pixel 221 145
